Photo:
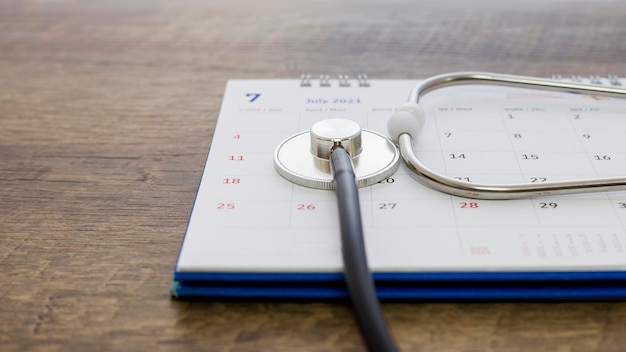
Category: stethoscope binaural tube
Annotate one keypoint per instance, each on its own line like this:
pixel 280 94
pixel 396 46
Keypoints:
pixel 404 126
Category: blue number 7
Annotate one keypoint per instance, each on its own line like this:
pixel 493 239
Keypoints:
pixel 253 96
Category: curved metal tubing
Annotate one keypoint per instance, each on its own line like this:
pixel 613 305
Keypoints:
pixel 505 191
pixel 493 79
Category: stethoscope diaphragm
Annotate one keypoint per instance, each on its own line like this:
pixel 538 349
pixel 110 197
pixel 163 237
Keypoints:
pixel 299 160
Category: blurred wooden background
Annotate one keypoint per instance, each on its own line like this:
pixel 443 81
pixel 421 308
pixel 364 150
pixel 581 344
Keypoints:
pixel 107 110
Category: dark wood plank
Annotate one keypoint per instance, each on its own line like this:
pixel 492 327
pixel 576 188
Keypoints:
pixel 106 114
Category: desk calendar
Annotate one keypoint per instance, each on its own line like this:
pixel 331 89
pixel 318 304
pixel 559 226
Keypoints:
pixel 254 234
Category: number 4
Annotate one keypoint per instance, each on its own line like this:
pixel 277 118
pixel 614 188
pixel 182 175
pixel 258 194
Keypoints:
pixel 253 96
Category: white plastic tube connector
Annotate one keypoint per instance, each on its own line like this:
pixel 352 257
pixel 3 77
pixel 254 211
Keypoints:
pixel 408 118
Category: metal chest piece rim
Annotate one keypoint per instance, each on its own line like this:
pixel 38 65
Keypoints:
pixel 303 157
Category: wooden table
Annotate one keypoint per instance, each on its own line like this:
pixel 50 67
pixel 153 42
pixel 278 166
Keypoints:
pixel 107 109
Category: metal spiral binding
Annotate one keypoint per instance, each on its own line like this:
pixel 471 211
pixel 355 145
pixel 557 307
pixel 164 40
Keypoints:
pixel 324 81
pixel 305 80
pixel 343 80
pixel 362 80
pixel 612 80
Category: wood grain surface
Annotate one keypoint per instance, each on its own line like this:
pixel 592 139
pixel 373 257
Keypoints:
pixel 107 110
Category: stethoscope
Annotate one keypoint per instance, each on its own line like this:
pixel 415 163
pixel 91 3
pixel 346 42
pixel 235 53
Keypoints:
pixel 338 154
pixel 379 159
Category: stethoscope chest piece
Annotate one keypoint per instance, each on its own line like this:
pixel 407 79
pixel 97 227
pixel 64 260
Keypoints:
pixel 304 158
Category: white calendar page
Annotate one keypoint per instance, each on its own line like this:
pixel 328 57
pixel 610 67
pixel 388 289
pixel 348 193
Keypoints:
pixel 247 218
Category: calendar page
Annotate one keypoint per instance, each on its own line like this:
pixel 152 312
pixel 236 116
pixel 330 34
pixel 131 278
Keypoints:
pixel 247 218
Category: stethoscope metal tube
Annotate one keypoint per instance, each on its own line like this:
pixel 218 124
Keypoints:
pixel 493 79
pixel 504 191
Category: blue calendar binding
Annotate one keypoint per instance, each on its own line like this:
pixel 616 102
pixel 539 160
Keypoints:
pixel 254 235
pixel 413 286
